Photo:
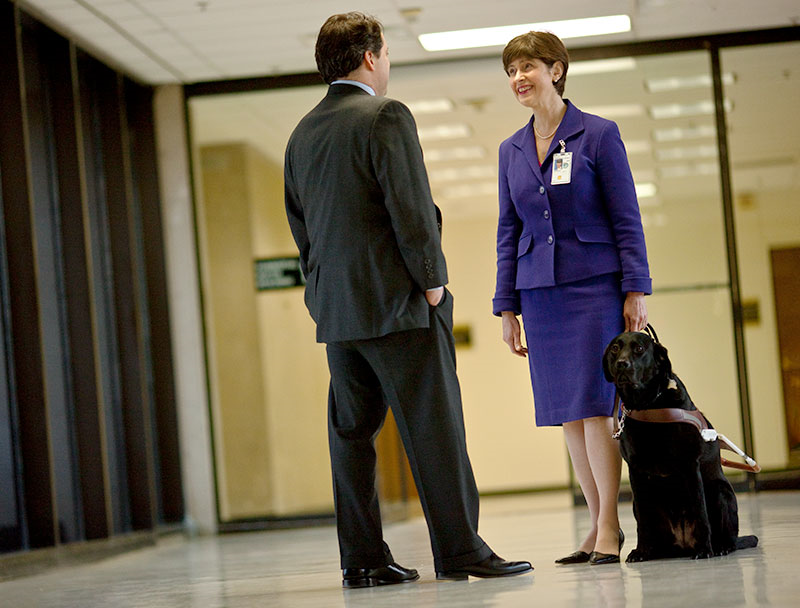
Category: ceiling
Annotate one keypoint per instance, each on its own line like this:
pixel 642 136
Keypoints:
pixel 162 41
pixel 184 41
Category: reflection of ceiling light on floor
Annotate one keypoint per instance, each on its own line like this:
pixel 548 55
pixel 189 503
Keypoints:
pixel 658 85
pixel 601 66
pixel 621 110
pixel 679 133
pixel 430 106
pixel 451 131
pixel 677 110
pixel 686 153
pixel 454 153
pixel 499 36
pixel 455 174
pixel 688 170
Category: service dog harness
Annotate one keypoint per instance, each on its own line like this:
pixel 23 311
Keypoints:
pixel 675 414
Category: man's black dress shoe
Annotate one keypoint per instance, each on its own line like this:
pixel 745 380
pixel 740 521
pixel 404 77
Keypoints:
pixel 577 557
pixel 394 573
pixel 491 567
pixel 596 558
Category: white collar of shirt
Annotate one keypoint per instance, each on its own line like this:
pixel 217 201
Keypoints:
pixel 360 85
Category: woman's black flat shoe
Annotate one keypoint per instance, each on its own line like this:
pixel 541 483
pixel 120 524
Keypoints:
pixel 596 558
pixel 578 557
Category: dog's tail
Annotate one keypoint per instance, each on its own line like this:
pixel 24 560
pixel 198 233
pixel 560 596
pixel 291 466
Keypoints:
pixel 747 542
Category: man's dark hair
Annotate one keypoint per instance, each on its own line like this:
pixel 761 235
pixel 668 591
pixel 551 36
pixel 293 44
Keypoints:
pixel 342 41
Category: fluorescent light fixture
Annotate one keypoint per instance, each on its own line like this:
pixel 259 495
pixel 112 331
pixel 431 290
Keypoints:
pixel 455 153
pixel 430 106
pixel 679 133
pixel 458 174
pixel 622 110
pixel 470 190
pixel 499 36
pixel 654 220
pixel 687 153
pixel 693 169
pixel 440 132
pixel 645 190
pixel 659 85
pixel 601 66
pixel 637 146
pixel 678 110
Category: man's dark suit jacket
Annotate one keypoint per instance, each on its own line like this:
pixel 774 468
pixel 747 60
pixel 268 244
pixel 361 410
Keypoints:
pixel 361 213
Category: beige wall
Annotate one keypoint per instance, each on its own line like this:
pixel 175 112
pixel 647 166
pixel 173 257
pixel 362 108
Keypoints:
pixel 268 375
pixel 237 390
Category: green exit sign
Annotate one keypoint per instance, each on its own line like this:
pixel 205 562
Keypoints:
pixel 278 273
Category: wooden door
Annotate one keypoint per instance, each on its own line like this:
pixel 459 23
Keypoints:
pixel 786 283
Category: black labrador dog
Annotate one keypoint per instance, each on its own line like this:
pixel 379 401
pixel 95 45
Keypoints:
pixel 683 504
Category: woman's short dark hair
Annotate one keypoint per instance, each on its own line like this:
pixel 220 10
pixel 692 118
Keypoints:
pixel 545 47
pixel 342 41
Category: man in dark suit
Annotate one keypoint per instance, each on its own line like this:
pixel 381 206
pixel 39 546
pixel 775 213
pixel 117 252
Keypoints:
pixel 360 210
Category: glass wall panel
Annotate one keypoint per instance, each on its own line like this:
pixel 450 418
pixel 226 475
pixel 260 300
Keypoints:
pixel 665 111
pixel 764 144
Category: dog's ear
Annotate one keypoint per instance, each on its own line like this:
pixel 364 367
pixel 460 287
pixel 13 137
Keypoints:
pixel 663 364
pixel 607 363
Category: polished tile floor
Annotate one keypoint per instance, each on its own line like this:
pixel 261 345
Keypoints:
pixel 299 568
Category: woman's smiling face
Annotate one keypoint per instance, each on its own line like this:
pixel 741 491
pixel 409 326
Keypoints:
pixel 531 80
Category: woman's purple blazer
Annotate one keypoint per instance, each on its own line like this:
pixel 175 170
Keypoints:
pixel 553 234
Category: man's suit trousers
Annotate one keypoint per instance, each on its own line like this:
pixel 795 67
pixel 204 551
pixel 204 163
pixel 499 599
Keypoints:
pixel 414 373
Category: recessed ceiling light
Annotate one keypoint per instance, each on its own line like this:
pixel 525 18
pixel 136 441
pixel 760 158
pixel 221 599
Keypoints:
pixel 439 132
pixel 469 190
pixel 601 66
pixel 645 190
pixel 686 153
pixel 658 85
pixel 677 110
pixel 622 110
pixel 430 106
pixel 499 36
pixel 457 174
pixel 454 153
pixel 637 146
pixel 679 133
pixel 679 171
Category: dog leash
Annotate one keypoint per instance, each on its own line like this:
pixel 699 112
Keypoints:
pixel 619 422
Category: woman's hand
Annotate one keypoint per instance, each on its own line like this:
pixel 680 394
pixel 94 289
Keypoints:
pixel 512 334
pixel 635 311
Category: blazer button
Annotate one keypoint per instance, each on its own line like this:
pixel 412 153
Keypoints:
pixel 541 189
pixel 546 214
pixel 550 239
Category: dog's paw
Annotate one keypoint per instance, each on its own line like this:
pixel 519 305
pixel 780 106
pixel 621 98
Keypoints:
pixel 724 551
pixel 636 556
pixel 703 555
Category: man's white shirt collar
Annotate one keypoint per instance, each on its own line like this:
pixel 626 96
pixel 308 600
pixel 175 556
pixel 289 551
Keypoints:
pixel 361 85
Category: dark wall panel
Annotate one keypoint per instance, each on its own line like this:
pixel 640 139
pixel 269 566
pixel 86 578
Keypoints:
pixel 38 67
pixel 26 340
pixel 77 313
pixel 128 303
pixel 88 431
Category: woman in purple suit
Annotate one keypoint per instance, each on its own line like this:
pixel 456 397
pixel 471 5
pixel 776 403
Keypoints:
pixel 571 260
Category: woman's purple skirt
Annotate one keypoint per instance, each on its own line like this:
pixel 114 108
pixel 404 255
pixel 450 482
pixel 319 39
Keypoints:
pixel 567 328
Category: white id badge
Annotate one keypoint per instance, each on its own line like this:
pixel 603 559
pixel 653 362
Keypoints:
pixel 562 168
